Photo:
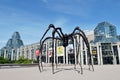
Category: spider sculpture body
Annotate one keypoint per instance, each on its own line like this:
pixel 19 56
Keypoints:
pixel 65 41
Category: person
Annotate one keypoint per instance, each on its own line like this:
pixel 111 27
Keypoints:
pixel 37 54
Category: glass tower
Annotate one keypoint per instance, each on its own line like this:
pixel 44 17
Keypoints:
pixel 105 33
pixel 13 43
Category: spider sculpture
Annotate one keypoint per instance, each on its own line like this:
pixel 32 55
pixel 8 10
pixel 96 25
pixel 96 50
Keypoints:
pixel 65 42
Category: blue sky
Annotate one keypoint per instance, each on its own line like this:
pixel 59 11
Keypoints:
pixel 32 17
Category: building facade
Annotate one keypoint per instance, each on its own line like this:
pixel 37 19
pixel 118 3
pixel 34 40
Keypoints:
pixel 106 53
pixel 12 44
pixel 105 33
pixel 104 46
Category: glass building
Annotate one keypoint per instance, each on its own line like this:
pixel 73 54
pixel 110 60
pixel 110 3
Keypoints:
pixel 105 32
pixel 106 44
pixel 13 43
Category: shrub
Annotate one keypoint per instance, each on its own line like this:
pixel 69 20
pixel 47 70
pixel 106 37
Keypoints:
pixel 22 60
pixel 4 60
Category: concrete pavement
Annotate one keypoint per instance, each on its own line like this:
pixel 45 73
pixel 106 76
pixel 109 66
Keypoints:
pixel 102 72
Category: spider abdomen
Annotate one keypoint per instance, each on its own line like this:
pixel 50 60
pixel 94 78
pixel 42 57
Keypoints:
pixel 65 40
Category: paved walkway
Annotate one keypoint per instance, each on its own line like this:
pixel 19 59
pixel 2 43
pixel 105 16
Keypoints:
pixel 105 72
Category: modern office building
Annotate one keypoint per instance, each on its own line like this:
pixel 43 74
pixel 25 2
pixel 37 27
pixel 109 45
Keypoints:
pixel 104 46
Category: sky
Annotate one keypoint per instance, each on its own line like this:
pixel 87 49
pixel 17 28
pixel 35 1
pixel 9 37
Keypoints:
pixel 31 18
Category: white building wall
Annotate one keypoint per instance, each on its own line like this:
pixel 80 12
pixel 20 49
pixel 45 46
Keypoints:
pixel 22 52
pixel 118 46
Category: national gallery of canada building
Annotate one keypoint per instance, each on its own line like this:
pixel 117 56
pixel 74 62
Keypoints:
pixel 104 47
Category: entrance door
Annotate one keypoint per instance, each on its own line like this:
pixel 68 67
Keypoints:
pixel 60 59
pixel 71 58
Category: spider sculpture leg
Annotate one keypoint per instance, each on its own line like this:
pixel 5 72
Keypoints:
pixel 76 51
pixel 81 33
pixel 52 55
pixel 59 31
pixel 41 44
pixel 40 61
pixel 39 64
pixel 77 41
pixel 41 48
pixel 64 38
